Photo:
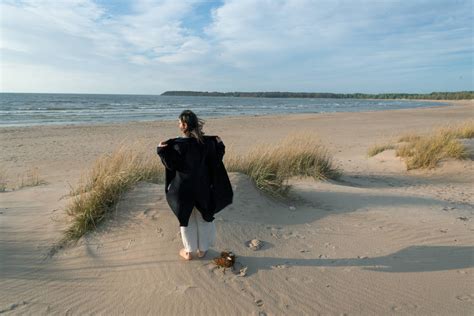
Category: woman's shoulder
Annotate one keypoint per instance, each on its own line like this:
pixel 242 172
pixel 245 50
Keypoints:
pixel 183 140
pixel 178 144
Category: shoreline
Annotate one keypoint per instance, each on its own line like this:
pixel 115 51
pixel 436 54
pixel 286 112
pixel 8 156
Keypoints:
pixel 448 103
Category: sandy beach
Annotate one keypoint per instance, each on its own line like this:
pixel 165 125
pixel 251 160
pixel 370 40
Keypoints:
pixel 381 240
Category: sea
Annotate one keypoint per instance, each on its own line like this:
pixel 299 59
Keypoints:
pixel 32 109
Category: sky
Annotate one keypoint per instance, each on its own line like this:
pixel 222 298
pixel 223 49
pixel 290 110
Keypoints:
pixel 148 47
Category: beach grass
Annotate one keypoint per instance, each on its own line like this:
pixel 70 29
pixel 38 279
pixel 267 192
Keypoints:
pixel 378 148
pixel 425 152
pixel 271 166
pixel 101 188
pixel 30 178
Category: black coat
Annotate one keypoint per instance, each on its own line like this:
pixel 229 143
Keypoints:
pixel 195 177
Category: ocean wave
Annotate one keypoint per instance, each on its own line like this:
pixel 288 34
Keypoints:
pixel 38 109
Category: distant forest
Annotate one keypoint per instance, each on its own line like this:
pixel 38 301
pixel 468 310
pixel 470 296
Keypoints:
pixel 461 95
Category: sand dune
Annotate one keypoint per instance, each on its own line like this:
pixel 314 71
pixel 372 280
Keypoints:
pixel 379 241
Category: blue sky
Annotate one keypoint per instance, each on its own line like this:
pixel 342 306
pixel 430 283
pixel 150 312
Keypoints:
pixel 148 47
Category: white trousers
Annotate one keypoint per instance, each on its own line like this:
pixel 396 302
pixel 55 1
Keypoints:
pixel 199 234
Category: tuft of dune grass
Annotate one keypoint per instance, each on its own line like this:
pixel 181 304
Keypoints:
pixel 426 152
pixel 271 166
pixel 111 176
pixel 376 149
pixel 30 178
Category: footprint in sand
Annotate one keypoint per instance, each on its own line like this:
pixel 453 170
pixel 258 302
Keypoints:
pixel 293 235
pixel 297 280
pixel 130 242
pixel 159 231
pixel 13 307
pixel 276 235
pixel 466 298
pixel 181 289
pixel 404 307
pixel 150 213
pixel 259 303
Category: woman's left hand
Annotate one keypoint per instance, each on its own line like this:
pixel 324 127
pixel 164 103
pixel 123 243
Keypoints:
pixel 162 144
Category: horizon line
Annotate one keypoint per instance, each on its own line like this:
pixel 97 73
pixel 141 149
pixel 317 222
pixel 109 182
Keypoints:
pixel 210 91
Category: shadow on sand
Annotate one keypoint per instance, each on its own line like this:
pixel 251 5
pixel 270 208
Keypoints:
pixel 410 259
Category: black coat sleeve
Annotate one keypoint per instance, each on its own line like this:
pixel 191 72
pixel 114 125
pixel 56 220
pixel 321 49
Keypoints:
pixel 221 188
pixel 220 150
pixel 170 156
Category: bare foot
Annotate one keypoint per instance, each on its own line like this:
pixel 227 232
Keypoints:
pixel 186 255
pixel 201 253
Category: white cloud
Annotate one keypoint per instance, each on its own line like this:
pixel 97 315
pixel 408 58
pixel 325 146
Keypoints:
pixel 152 30
pixel 300 45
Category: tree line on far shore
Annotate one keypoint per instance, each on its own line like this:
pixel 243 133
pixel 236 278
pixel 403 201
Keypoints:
pixel 460 95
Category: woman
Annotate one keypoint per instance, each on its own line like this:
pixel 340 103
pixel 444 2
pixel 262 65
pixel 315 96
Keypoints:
pixel 197 185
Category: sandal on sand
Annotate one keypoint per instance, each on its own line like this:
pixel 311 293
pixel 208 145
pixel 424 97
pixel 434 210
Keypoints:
pixel 201 254
pixel 184 254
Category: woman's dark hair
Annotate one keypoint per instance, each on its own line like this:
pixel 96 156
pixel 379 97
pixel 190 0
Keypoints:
pixel 194 125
